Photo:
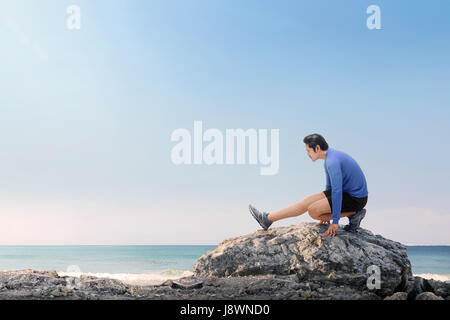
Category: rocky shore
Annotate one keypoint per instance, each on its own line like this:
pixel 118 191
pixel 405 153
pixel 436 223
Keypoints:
pixel 293 262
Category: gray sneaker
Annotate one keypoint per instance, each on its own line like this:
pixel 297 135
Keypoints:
pixel 261 217
pixel 355 220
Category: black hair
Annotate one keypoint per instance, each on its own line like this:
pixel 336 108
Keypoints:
pixel 314 140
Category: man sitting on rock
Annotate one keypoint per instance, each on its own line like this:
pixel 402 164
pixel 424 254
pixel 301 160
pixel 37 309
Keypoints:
pixel 345 193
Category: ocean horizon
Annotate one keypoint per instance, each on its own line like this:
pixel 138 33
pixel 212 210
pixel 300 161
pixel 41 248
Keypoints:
pixel 153 264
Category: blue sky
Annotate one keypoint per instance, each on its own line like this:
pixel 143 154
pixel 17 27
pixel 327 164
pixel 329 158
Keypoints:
pixel 86 115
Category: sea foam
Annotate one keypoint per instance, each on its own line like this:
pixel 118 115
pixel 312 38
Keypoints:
pixel 439 277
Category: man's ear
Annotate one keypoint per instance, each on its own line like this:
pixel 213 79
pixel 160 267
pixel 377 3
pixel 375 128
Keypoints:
pixel 317 149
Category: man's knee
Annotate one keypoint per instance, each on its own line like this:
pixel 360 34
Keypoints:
pixel 313 211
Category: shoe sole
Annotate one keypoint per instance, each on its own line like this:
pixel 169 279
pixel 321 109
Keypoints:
pixel 255 216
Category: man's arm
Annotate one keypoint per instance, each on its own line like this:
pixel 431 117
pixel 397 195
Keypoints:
pixel 328 186
pixel 335 173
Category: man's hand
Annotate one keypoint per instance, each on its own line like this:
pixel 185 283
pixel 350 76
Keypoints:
pixel 332 230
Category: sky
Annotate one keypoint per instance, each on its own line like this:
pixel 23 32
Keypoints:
pixel 86 115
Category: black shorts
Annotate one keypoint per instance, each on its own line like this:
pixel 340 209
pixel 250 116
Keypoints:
pixel 349 203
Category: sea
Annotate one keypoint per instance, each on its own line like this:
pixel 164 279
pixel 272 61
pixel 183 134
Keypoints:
pixel 154 264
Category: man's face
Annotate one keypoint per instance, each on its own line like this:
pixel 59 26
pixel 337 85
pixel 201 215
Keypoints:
pixel 311 153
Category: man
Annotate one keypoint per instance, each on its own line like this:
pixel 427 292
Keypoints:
pixel 345 193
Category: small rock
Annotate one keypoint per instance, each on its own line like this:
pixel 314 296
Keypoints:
pixel 167 283
pixel 428 296
pixel 419 286
pixel 398 296
pixel 53 274
pixel 440 288
pixel 187 283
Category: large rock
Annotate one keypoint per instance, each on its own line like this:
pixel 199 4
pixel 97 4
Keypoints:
pixel 302 250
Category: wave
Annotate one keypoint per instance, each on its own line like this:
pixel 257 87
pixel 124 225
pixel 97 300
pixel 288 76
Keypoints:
pixel 434 276
pixel 140 279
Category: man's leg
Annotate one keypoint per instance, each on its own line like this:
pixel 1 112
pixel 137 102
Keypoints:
pixel 296 209
pixel 320 210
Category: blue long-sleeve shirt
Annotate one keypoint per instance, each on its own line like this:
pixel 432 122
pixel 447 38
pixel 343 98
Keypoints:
pixel 343 175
